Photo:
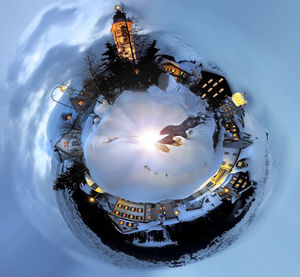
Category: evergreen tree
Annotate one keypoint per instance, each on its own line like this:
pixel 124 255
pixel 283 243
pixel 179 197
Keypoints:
pixel 149 69
pixel 71 178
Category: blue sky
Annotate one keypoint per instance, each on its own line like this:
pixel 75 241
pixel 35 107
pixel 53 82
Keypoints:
pixel 256 43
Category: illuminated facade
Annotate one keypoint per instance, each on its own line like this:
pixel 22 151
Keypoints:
pixel 239 99
pixel 69 145
pixel 213 88
pixel 123 36
pixel 174 69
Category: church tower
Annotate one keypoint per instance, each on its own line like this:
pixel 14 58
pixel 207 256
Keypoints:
pixel 123 37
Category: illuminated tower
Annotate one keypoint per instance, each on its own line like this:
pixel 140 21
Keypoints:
pixel 122 32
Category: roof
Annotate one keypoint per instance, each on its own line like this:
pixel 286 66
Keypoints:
pixel 166 61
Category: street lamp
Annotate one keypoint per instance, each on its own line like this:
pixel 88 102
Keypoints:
pixel 62 89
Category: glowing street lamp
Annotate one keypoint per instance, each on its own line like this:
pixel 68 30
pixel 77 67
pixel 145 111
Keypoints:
pixel 62 89
pixel 92 200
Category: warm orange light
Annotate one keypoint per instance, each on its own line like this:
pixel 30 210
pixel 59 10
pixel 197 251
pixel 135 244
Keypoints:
pixel 226 190
pixel 92 199
pixel 63 88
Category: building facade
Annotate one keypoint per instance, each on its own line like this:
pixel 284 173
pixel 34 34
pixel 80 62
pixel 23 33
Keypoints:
pixel 123 35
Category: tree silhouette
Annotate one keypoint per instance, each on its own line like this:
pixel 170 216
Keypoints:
pixel 148 66
pixel 71 178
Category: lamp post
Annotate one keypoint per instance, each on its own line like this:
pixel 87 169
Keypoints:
pixel 62 89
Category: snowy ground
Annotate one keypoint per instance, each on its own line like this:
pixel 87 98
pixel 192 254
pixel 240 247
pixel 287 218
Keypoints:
pixel 123 164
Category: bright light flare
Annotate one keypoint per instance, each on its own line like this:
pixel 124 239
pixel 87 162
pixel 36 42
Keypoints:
pixel 148 139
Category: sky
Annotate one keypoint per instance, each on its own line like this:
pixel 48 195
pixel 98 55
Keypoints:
pixel 256 43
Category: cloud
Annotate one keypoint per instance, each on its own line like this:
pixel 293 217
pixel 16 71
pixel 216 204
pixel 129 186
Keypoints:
pixel 259 53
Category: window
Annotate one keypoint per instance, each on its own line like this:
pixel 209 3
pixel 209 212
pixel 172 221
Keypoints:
pixel 120 205
pixel 210 90
pixel 121 222
pixel 139 218
pixel 221 90
pixel 148 217
pixel 205 85
pixel 126 207
pixel 133 209
pixel 140 210
pixel 117 212
pixel 210 80
pixel 148 210
pixel 221 80
pixel 129 224
pixel 131 216
pixel 124 215
pixel 226 153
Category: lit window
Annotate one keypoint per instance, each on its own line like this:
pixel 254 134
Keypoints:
pixel 133 209
pixel 221 90
pixel 126 207
pixel 205 85
pixel 117 212
pixel 140 210
pixel 148 210
pixel 148 217
pixel 221 80
pixel 131 216
pixel 80 103
pixel 215 84
pixel 124 215
pixel 139 218
pixel 210 80
pixel 215 95
pixel 210 90
pixel 121 222
pixel 120 205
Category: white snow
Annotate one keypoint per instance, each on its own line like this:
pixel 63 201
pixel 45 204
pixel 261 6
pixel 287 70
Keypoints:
pixel 122 165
